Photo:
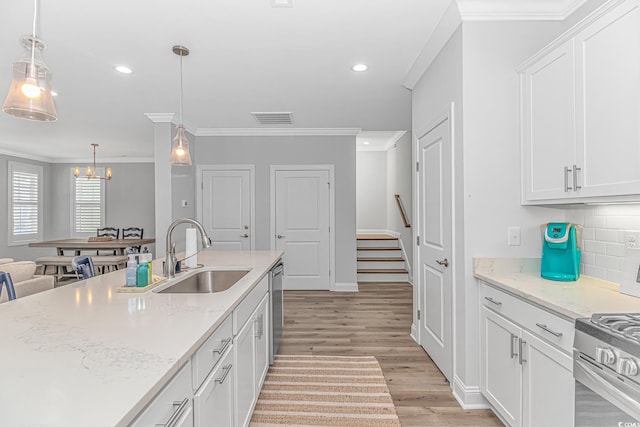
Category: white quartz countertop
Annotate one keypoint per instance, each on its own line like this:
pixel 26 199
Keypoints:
pixel 86 355
pixel 581 298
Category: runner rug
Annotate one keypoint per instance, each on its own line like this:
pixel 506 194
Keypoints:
pixel 325 391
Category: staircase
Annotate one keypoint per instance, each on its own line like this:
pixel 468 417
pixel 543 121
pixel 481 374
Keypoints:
pixel 380 259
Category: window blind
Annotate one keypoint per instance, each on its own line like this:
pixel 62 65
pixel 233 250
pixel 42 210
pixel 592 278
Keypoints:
pixel 88 205
pixel 25 198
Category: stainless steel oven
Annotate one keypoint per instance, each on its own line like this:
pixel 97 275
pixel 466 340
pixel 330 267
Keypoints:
pixel 606 359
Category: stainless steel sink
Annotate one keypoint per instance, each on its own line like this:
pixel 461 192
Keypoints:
pixel 206 282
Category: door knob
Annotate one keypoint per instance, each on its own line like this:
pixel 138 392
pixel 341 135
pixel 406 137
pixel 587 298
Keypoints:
pixel 280 236
pixel 444 262
pixel 245 235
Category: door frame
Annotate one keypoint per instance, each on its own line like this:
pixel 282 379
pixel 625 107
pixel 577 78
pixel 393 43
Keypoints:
pixel 446 114
pixel 332 219
pixel 200 169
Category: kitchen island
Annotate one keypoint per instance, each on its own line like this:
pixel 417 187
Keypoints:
pixel 87 355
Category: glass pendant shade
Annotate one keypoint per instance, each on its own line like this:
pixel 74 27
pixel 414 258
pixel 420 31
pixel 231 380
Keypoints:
pixel 30 96
pixel 180 148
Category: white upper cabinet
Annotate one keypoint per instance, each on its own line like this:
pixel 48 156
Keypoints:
pixel 580 111
pixel 548 125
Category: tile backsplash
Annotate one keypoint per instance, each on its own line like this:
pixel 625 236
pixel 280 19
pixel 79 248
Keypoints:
pixel 604 252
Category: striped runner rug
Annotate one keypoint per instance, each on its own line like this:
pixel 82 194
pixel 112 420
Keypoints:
pixel 325 391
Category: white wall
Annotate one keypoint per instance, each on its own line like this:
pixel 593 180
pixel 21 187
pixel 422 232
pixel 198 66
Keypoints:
pixel 492 51
pixel 476 71
pixel 263 152
pixel 23 252
pixel 399 174
pixel 371 190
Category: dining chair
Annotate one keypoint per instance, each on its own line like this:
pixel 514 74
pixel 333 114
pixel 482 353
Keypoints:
pixel 110 232
pixel 133 233
pixel 5 281
pixel 83 265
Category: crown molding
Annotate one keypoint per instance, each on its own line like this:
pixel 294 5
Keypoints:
pixel 104 161
pixel 510 10
pixel 394 139
pixel 160 117
pixel 446 27
pixel 277 132
pixel 27 156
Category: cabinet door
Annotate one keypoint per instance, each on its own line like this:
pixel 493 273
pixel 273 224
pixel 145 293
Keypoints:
pixel 501 372
pixel 262 342
pixel 245 374
pixel 213 403
pixel 609 82
pixel 548 386
pixel 548 125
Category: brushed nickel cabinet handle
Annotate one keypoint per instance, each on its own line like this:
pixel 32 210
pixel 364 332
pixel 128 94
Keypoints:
pixel 513 353
pixel 546 329
pixel 176 414
pixel 226 370
pixel 521 345
pixel 492 301
pixel 566 180
pixel 576 187
pixel 223 347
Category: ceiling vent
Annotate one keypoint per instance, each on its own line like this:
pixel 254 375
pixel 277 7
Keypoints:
pixel 273 118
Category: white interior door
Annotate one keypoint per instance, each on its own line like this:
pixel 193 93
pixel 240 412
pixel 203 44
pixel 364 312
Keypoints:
pixel 226 208
pixel 302 219
pixel 434 216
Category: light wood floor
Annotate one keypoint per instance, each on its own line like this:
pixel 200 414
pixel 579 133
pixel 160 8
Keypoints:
pixel 376 321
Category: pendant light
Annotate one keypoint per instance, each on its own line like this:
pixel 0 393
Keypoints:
pixel 180 147
pixel 30 95
pixel 90 172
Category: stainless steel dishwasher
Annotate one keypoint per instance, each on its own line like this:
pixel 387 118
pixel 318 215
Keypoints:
pixel 277 304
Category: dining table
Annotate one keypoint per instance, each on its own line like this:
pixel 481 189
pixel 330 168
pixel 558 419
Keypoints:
pixel 77 245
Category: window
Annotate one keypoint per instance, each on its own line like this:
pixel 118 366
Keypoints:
pixel 25 203
pixel 87 204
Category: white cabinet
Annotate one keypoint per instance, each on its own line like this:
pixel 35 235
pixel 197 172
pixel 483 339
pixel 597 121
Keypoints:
pixel 548 126
pixel 173 405
pixel 609 82
pixel 262 340
pixel 501 372
pixel 580 111
pixel 548 392
pixel 252 360
pixel 220 384
pixel 245 376
pixel 213 403
pixel 526 376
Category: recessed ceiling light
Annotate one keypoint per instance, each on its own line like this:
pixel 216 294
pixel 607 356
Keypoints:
pixel 281 3
pixel 359 67
pixel 54 93
pixel 123 69
pixel 365 142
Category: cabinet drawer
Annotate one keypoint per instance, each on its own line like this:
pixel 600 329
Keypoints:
pixel 172 403
pixel 544 324
pixel 244 310
pixel 211 351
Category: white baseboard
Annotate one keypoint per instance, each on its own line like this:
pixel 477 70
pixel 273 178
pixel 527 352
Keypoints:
pixel 414 331
pixel 346 287
pixel 468 397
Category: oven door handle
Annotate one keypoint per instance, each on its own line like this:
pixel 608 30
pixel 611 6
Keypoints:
pixel 620 394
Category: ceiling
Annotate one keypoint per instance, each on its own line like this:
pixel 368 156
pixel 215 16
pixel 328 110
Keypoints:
pixel 246 56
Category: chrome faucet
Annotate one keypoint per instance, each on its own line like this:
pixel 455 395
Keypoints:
pixel 170 259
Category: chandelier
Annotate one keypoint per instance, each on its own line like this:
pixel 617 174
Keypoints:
pixel 90 171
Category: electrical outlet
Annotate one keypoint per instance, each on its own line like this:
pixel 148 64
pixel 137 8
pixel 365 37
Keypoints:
pixel 513 236
pixel 632 239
